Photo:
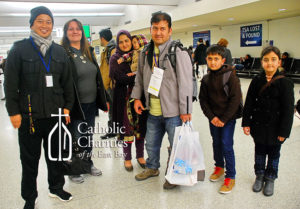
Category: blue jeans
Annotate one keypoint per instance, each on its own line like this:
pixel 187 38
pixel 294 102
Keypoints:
pixel 239 66
pixel 223 147
pixel 157 126
pixel 84 138
pixel 261 153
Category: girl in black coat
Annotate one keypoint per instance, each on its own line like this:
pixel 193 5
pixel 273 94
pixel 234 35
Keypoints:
pixel 268 117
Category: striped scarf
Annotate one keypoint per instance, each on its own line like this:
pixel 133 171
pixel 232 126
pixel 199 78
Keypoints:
pixel 43 43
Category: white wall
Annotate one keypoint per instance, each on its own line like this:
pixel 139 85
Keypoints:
pixel 138 12
pixel 286 35
pixel 186 9
pixel 284 32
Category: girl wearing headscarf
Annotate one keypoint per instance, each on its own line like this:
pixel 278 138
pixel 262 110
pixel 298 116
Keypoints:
pixel 138 43
pixel 124 116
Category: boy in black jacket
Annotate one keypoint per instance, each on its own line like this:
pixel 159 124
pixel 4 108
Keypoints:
pixel 220 96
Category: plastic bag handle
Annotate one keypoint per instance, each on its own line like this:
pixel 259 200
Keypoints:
pixel 185 125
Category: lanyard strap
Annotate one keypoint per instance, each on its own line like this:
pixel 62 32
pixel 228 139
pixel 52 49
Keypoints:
pixel 155 60
pixel 41 57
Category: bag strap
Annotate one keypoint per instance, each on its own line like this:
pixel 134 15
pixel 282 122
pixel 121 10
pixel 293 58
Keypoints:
pixel 144 53
pixel 172 52
pixel 225 81
pixel 109 50
pixel 270 82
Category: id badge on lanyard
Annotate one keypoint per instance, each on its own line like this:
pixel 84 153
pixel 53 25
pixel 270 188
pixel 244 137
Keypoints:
pixel 49 80
pixel 48 77
pixel 155 81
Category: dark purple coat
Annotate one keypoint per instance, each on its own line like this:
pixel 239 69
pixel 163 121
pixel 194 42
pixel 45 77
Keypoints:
pixel 118 72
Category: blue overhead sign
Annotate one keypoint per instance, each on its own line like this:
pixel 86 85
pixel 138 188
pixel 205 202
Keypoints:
pixel 205 35
pixel 251 35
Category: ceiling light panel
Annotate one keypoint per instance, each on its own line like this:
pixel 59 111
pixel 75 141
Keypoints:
pixel 64 7
pixel 90 14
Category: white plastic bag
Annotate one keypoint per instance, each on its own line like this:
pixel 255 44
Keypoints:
pixel 186 157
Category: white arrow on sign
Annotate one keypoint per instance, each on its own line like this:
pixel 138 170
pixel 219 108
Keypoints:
pixel 250 42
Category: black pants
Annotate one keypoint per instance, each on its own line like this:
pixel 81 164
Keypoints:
pixel 30 151
pixel 273 154
pixel 197 70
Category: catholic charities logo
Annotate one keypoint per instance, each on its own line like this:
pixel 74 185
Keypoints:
pixel 67 135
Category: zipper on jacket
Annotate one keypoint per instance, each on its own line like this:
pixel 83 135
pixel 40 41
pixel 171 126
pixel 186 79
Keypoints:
pixel 187 102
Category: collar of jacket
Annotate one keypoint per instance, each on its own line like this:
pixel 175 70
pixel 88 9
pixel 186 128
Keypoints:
pixel 163 46
pixel 263 74
pixel 111 43
pixel 225 68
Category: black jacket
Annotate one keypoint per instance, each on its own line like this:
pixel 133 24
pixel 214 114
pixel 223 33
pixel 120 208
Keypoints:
pixel 228 57
pixel 270 114
pixel 25 75
pixel 248 63
pixel 200 54
pixel 101 100
pixel 213 99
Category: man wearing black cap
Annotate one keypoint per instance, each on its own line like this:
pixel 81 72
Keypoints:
pixel 38 82
pixel 110 45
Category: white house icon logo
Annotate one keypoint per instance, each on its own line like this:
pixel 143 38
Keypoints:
pixel 60 125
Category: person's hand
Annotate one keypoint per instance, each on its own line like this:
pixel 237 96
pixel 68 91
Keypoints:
pixel 67 113
pixel 130 74
pixel 16 120
pixel 214 121
pixel 280 138
pixel 246 130
pixel 185 117
pixel 120 60
pixel 220 123
pixel 217 122
pixel 138 106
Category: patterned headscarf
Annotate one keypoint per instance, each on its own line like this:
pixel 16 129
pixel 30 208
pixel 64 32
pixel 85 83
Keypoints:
pixel 121 32
pixel 142 40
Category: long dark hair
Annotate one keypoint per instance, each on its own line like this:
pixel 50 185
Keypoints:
pixel 84 44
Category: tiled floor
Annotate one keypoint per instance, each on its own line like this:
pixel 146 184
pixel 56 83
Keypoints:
pixel 117 188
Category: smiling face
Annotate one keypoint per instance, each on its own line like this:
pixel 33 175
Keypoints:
pixel 160 32
pixel 270 62
pixel 124 43
pixel 42 25
pixel 74 33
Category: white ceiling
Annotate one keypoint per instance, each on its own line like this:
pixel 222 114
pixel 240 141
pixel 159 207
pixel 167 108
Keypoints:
pixel 247 11
pixel 8 10
pixel 123 2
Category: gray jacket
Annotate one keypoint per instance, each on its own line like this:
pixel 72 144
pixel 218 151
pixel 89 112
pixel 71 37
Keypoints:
pixel 176 88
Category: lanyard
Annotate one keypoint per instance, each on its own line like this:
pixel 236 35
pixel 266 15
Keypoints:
pixel 155 60
pixel 41 57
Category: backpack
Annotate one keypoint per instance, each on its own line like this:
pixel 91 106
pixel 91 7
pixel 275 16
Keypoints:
pixel 226 89
pixel 172 57
pixel 109 50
